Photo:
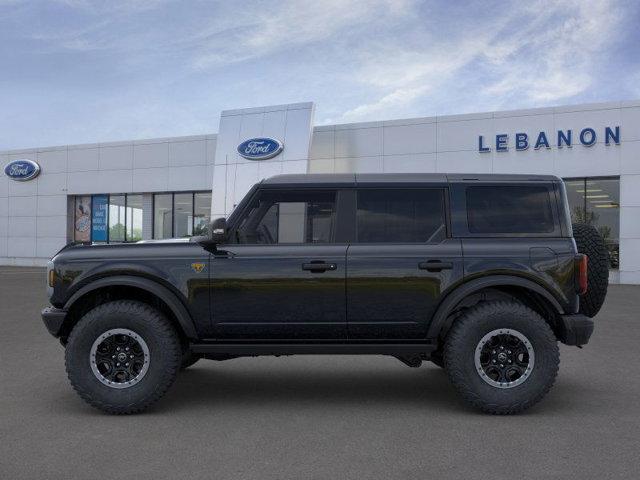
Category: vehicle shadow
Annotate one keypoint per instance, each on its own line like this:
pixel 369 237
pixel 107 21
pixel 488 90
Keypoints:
pixel 321 387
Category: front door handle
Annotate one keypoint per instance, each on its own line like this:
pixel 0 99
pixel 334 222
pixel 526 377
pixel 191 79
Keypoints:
pixel 435 266
pixel 318 266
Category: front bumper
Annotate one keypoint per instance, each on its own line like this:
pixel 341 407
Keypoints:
pixel 53 319
pixel 575 329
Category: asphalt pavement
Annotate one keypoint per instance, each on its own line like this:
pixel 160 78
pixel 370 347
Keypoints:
pixel 303 417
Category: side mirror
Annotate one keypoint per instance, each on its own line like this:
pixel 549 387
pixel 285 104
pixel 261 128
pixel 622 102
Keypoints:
pixel 218 231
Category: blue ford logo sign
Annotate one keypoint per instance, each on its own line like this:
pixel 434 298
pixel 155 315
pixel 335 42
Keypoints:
pixel 22 170
pixel 260 148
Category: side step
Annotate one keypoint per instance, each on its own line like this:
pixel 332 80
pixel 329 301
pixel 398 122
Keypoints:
pixel 250 349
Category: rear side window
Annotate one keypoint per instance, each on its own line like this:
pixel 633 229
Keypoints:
pixel 509 209
pixel 401 216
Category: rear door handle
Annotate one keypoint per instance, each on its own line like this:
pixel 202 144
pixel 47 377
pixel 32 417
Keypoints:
pixel 435 266
pixel 318 266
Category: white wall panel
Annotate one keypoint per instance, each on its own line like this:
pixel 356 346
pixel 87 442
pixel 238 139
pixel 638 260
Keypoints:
pixel 359 165
pixel 51 205
pixel 52 161
pixel 21 207
pixel 420 138
pixel 117 157
pixel 630 156
pixel 52 226
pixel 150 180
pixel 463 135
pixel 151 155
pixel 322 144
pixel 21 246
pixel 83 159
pixel 52 183
pixel 188 153
pixel 630 124
pixel 22 189
pixel 420 163
pixel 188 178
pixel 464 162
pixel 47 247
pixel 22 227
pixel 358 142
pixel 105 181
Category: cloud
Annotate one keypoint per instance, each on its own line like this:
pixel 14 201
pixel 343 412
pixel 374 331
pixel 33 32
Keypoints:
pixel 542 52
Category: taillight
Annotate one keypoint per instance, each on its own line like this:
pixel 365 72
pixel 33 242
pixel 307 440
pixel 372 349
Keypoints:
pixel 581 273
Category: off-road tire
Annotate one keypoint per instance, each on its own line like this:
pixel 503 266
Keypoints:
pixel 590 242
pixel 188 359
pixel 437 359
pixel 463 339
pixel 164 352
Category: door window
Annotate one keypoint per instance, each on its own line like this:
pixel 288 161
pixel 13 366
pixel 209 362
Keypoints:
pixel 289 217
pixel 401 216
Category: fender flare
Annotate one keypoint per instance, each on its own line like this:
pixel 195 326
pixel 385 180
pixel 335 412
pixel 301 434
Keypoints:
pixel 167 296
pixel 458 294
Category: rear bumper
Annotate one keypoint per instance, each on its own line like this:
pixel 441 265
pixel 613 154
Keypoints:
pixel 575 329
pixel 53 319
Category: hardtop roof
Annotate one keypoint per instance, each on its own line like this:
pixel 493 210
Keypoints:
pixel 355 179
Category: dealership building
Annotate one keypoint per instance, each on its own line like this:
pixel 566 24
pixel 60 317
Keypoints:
pixel 170 187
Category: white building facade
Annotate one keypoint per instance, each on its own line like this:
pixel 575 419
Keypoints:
pixel 171 187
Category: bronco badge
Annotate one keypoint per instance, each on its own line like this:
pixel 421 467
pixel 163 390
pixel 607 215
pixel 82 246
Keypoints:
pixel 197 267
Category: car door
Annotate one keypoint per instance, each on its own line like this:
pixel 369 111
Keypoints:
pixel 282 276
pixel 400 263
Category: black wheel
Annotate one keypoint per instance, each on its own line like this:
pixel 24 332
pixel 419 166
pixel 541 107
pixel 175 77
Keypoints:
pixel 122 356
pixel 590 242
pixel 188 359
pixel 502 357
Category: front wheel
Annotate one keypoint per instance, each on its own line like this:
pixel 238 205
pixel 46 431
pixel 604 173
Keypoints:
pixel 122 356
pixel 502 357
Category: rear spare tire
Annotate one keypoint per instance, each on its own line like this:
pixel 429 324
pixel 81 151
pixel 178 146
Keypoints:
pixel 590 242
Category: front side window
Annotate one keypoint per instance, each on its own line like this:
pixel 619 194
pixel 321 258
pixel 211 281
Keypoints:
pixel 509 209
pixel 289 217
pixel 401 216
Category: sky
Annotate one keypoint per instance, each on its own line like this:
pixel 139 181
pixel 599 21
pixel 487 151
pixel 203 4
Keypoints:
pixel 80 71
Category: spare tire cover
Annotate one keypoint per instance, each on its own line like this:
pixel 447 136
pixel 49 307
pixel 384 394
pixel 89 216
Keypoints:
pixel 590 242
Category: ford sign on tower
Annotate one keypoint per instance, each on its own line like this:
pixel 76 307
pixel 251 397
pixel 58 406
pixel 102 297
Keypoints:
pixel 260 148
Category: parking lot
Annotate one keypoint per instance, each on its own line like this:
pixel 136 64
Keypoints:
pixel 316 417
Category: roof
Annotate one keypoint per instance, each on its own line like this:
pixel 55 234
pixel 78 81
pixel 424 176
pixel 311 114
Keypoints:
pixel 344 180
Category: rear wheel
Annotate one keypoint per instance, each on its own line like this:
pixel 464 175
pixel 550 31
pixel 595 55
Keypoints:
pixel 502 357
pixel 590 242
pixel 122 356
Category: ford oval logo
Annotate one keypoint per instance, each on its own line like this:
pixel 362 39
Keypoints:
pixel 22 170
pixel 260 148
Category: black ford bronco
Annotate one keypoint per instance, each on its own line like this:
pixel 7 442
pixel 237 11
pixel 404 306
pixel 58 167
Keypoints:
pixel 480 274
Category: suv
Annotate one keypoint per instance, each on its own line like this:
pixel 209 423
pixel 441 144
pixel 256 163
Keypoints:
pixel 479 274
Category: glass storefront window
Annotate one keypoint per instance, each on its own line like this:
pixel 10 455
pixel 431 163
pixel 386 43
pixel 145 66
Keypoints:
pixel 201 212
pixel 134 218
pixel 82 219
pixel 596 202
pixel 120 217
pixel 182 214
pixel 117 218
pixel 162 215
